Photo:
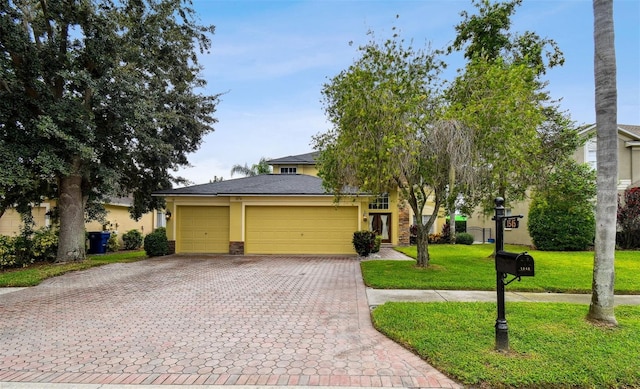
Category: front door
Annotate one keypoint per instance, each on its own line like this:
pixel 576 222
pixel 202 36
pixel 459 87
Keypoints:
pixel 381 224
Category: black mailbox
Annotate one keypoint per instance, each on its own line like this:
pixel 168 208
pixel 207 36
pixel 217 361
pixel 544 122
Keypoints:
pixel 517 264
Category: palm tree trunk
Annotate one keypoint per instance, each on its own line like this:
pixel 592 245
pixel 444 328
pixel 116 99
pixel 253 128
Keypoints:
pixel 601 308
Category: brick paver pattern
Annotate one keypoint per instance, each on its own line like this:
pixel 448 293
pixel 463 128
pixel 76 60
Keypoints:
pixel 262 320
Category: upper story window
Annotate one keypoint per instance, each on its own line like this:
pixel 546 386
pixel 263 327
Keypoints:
pixel 381 202
pixel 590 152
pixel 288 170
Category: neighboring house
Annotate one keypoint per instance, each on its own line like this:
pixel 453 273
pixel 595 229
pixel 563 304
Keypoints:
pixel 118 219
pixel 628 176
pixel 10 222
pixel 287 212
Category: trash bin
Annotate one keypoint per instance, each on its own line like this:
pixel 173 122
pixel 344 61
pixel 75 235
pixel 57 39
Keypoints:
pixel 98 242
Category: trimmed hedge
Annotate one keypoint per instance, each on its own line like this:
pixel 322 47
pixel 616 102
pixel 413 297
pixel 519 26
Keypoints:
pixel 132 240
pixel 156 243
pixel 464 238
pixel 364 242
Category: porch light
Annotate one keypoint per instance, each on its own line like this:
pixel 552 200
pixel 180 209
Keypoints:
pixel 364 216
pixel 167 215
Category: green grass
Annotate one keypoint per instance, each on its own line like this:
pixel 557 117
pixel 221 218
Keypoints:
pixel 33 275
pixel 551 345
pixel 462 267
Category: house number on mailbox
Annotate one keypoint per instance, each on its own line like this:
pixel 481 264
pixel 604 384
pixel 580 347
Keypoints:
pixel 511 222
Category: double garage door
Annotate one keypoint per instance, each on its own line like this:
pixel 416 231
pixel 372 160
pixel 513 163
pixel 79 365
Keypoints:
pixel 300 230
pixel 269 229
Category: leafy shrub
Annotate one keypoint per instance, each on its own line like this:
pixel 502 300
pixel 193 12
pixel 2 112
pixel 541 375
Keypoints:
pixel 29 247
pixel 156 243
pixel 132 240
pixel 435 238
pixel 7 252
pixel 464 238
pixel 559 229
pixel 22 246
pixel 44 244
pixel 113 244
pixel 561 216
pixel 364 242
pixel 376 245
pixel 445 235
pixel 628 218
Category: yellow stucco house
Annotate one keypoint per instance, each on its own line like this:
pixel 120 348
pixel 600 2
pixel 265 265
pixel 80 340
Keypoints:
pixel 628 177
pixel 287 212
pixel 118 219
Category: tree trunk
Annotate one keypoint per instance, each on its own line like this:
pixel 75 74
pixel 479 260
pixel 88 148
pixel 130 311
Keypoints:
pixel 71 243
pixel 452 205
pixel 422 243
pixel 601 308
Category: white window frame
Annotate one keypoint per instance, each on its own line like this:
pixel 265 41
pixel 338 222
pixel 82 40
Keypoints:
pixel 288 170
pixel 591 153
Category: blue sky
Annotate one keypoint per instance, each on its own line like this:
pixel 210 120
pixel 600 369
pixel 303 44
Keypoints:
pixel 271 59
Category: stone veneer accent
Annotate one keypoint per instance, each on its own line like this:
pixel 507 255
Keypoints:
pixel 404 225
pixel 172 247
pixel 236 248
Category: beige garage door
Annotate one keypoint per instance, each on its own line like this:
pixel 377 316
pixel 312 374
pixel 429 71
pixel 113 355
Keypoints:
pixel 300 230
pixel 202 230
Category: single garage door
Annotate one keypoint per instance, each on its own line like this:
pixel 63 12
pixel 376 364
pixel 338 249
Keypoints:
pixel 300 230
pixel 202 229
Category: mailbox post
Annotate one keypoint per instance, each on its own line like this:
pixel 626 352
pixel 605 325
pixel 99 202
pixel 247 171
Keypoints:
pixel 502 330
pixel 516 264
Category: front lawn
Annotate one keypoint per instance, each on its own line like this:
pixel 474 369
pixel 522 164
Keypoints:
pixel 33 275
pixel 471 267
pixel 551 345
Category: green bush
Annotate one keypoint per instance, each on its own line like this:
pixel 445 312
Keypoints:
pixel 113 244
pixel 364 242
pixel 132 240
pixel 29 247
pixel 44 244
pixel 561 215
pixel 464 238
pixel 156 243
pixel 7 252
pixel 561 229
pixel 376 246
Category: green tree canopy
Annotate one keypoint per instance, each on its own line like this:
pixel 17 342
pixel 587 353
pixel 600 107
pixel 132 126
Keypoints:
pixel 98 98
pixel 520 131
pixel 388 130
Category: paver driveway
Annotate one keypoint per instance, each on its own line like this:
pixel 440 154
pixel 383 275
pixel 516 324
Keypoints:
pixel 261 320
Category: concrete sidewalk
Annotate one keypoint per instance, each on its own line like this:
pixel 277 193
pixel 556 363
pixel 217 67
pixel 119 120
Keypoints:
pixel 377 297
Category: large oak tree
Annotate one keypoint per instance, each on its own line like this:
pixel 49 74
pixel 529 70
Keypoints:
pixel 98 98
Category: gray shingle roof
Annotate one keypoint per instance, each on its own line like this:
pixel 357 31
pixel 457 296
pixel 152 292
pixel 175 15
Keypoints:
pixel 264 184
pixel 632 131
pixel 635 130
pixel 300 159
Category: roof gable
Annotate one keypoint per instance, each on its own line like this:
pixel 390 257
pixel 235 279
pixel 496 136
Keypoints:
pixel 300 159
pixel 630 131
